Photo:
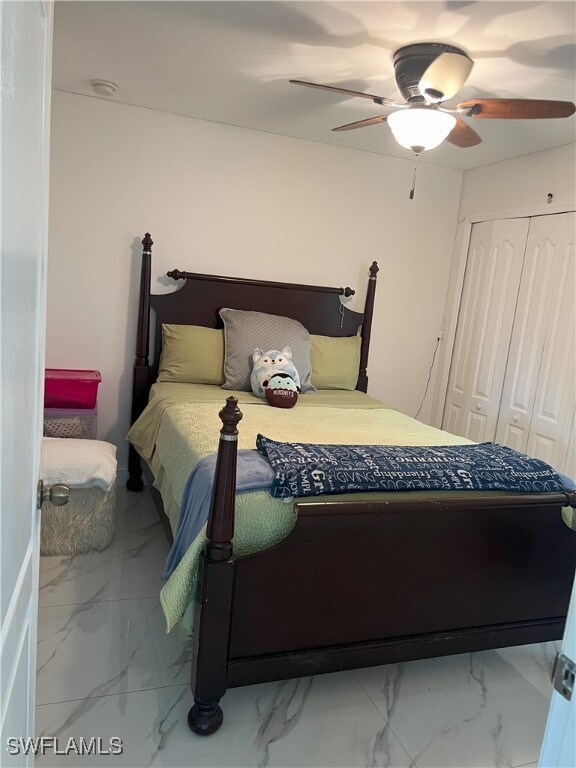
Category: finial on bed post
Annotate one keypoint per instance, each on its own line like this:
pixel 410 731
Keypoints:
pixel 141 375
pixel 213 613
pixel 362 384
pixel 221 520
pixel 176 274
pixel 147 242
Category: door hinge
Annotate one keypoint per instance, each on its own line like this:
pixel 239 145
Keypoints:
pixel 563 675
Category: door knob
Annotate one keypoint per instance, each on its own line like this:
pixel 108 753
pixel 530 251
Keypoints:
pixel 57 494
pixel 515 419
pixel 478 407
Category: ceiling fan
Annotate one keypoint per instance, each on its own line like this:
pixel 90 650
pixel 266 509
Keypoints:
pixel 427 74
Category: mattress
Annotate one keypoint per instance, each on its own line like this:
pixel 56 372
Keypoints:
pixel 180 426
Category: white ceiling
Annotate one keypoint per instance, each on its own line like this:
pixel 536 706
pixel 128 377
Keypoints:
pixel 230 62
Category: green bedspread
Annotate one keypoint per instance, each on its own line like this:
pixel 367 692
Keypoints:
pixel 174 434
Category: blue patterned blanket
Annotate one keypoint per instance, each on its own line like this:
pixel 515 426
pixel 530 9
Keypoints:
pixel 297 469
pixel 302 469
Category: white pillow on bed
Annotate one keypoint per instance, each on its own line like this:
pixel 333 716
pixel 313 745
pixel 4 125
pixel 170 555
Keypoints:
pixel 245 330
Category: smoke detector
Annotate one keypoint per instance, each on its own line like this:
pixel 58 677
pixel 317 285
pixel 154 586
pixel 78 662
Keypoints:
pixel 104 87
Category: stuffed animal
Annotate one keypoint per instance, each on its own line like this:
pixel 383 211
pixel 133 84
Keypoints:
pixel 281 391
pixel 275 371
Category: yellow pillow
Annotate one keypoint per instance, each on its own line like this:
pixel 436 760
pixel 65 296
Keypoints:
pixel 335 361
pixel 192 354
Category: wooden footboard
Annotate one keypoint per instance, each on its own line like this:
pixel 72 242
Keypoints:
pixel 391 581
pixel 363 583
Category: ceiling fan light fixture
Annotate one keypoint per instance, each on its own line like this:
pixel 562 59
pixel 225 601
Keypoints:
pixel 420 128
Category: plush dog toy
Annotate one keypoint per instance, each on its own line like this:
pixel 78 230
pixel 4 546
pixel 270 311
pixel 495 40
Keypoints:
pixel 274 376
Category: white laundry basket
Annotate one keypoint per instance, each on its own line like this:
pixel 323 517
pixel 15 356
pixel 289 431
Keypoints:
pixel 86 523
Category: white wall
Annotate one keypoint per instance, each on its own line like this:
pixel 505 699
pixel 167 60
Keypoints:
pixel 521 183
pixel 513 187
pixel 228 200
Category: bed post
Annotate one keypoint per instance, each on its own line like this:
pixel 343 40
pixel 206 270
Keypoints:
pixel 362 384
pixel 141 378
pixel 212 625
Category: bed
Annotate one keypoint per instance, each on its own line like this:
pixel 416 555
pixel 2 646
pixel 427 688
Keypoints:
pixel 351 581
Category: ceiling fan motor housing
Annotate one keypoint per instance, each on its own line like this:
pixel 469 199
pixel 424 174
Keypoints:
pixel 410 63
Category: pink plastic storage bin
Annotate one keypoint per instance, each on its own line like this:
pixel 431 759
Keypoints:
pixel 70 389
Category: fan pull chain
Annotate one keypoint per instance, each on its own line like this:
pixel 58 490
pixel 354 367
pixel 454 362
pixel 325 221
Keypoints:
pixel 414 176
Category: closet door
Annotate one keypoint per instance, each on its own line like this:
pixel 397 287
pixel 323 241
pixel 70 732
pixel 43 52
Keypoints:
pixel 568 463
pixel 551 434
pixel 486 315
pixel 538 393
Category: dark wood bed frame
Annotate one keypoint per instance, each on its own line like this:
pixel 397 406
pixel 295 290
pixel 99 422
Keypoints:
pixel 355 583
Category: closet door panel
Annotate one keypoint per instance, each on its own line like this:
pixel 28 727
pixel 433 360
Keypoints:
pixel 535 362
pixel 514 437
pixel 455 416
pixel 568 465
pixel 486 315
pixel 476 427
pixel 452 417
pixel 553 412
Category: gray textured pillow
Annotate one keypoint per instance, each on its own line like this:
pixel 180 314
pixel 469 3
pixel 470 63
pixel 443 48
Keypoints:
pixel 245 330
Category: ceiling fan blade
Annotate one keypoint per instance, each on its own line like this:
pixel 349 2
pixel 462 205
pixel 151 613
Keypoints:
pixel 361 123
pixel 462 135
pixel 346 92
pixel 445 76
pixel 516 109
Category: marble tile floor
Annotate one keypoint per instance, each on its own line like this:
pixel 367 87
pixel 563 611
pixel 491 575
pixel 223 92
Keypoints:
pixel 106 668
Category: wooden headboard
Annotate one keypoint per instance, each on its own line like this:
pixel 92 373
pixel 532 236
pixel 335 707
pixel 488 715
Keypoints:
pixel 199 300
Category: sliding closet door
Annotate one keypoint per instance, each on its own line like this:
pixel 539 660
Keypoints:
pixel 490 291
pixel 538 393
pixel 551 435
pixel 568 464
